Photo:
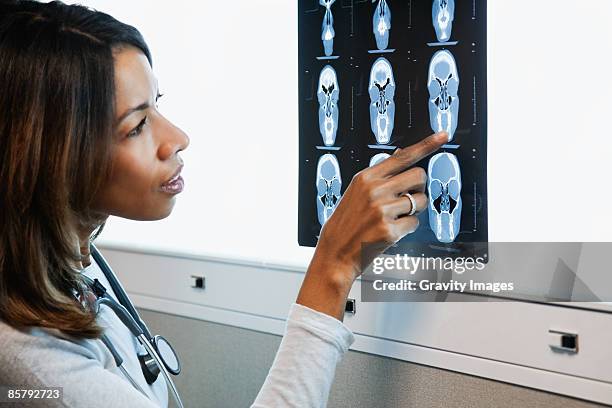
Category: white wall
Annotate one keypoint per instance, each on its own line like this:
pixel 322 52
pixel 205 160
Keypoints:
pixel 549 115
pixel 549 120
pixel 240 199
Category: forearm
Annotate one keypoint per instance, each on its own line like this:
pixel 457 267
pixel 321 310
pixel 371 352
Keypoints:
pixel 303 369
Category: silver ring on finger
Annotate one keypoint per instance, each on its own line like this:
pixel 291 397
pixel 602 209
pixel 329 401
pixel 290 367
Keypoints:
pixel 412 202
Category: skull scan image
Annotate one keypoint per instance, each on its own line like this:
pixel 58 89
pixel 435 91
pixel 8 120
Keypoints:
pixel 382 106
pixel 327 29
pixel 444 188
pixel 381 24
pixel 329 184
pixel 378 158
pixel 328 93
pixel 443 86
pixel 443 14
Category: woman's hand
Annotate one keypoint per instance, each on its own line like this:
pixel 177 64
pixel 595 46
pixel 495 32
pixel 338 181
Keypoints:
pixel 373 210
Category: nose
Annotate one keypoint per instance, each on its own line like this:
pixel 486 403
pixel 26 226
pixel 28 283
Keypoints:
pixel 172 140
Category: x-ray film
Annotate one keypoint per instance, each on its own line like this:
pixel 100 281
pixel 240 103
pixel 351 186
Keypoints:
pixel 377 75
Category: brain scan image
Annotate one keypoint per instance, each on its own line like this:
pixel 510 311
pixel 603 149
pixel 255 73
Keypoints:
pixel 328 93
pixel 327 29
pixel 382 106
pixel 329 184
pixel 443 14
pixel 443 86
pixel 381 24
pixel 378 158
pixel 444 188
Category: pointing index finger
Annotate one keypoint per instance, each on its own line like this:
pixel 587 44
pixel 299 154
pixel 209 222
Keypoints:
pixel 408 156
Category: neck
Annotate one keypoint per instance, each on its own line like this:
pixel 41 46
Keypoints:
pixel 84 235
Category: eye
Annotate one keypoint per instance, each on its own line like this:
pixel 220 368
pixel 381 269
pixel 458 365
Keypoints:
pixel 138 129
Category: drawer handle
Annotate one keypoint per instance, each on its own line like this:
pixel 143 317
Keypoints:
pixel 198 282
pixel 351 306
pixel 563 341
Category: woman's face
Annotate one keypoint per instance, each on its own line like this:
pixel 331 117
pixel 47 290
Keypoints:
pixel 146 146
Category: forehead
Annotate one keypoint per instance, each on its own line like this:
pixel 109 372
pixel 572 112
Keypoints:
pixel 134 80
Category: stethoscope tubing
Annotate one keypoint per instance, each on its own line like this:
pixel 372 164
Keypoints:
pixel 126 312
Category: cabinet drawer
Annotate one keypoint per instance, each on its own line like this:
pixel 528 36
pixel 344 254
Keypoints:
pixel 252 289
pixel 517 333
pixel 511 332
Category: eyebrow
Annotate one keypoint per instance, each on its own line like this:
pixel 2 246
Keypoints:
pixel 141 107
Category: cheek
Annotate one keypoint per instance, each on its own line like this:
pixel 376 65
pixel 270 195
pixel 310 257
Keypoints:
pixel 132 190
pixel 132 173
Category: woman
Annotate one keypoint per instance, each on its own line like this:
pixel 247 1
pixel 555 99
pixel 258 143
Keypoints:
pixel 81 139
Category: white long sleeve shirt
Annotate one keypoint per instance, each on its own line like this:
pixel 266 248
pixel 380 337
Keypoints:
pixel 301 374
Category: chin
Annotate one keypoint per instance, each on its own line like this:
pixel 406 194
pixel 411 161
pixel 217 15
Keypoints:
pixel 163 214
pixel 152 214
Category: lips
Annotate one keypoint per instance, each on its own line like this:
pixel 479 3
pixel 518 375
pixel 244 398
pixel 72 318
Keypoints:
pixel 174 175
pixel 175 184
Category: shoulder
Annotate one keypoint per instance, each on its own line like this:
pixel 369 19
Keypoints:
pixel 32 350
pixel 84 369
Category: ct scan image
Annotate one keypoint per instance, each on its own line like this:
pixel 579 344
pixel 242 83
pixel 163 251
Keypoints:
pixel 328 94
pixel 327 28
pixel 381 24
pixel 378 75
pixel 444 193
pixel 382 105
pixel 442 15
pixel 443 86
pixel 329 184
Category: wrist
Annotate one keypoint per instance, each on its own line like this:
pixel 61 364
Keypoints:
pixel 343 259
pixel 338 274
pixel 326 286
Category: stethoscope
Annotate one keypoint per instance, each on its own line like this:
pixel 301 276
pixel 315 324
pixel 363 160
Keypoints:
pixel 160 356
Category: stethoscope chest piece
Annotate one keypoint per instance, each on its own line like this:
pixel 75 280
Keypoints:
pixel 168 358
pixel 167 354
